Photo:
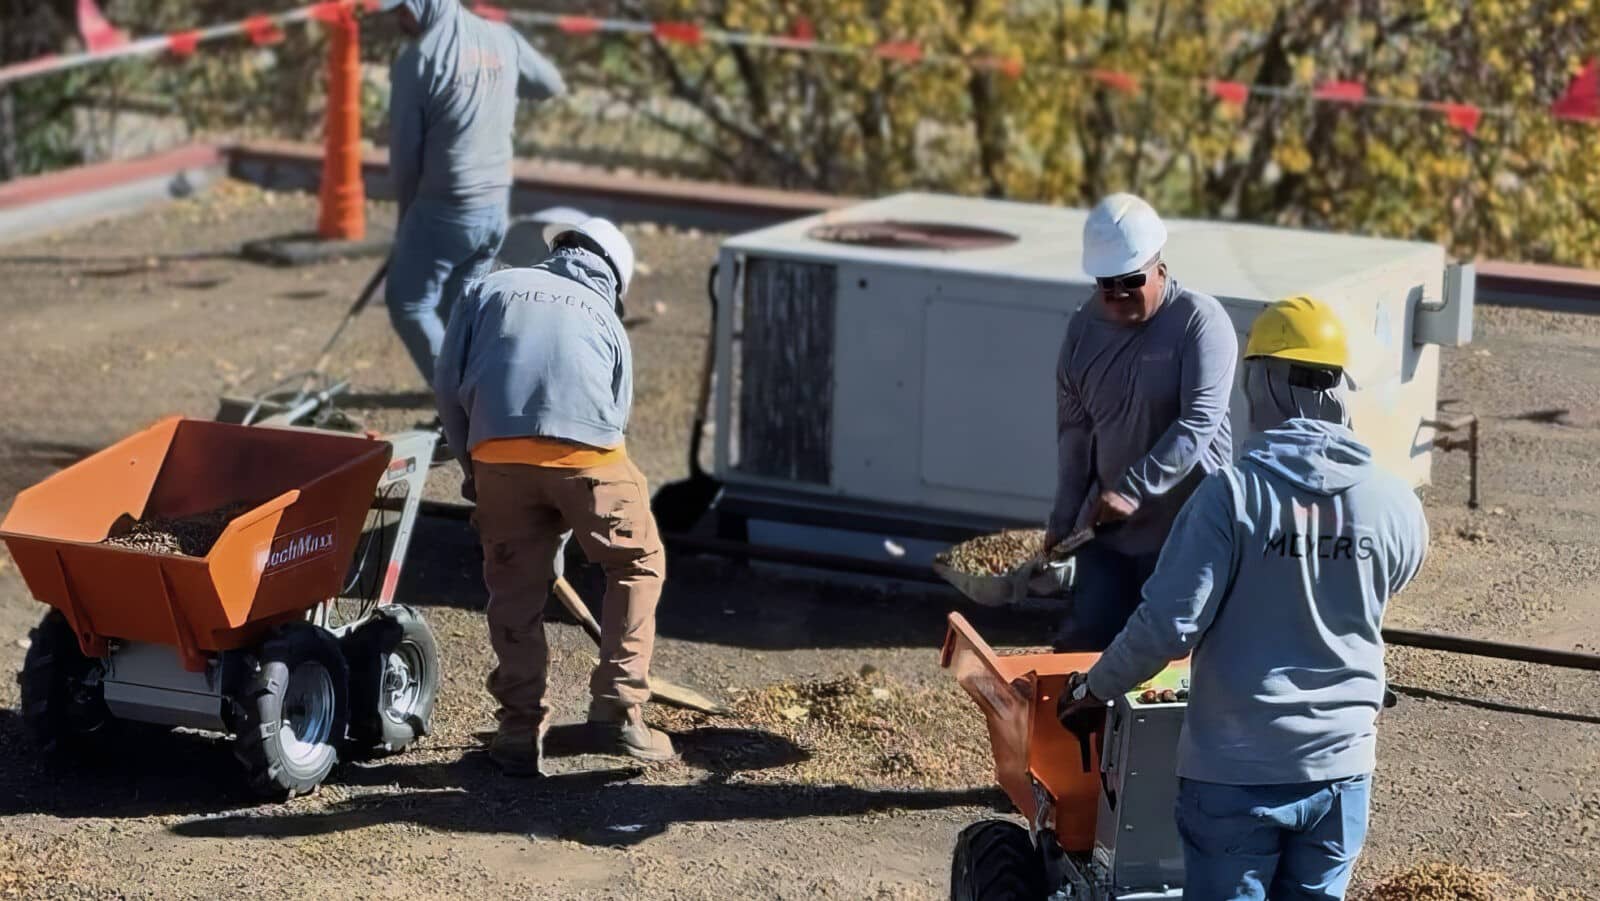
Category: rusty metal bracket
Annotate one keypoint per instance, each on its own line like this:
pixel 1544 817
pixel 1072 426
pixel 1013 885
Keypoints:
pixel 1449 425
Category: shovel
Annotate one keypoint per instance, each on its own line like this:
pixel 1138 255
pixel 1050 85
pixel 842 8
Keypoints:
pixel 660 689
pixel 1013 587
pixel 679 505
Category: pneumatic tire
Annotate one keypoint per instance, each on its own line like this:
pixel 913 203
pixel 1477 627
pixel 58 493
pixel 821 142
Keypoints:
pixel 995 861
pixel 292 711
pixel 394 679
pixel 63 698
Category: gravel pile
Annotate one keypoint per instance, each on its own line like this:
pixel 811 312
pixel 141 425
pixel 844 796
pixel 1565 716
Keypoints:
pixel 994 555
pixel 189 536
pixel 864 730
pixel 1443 882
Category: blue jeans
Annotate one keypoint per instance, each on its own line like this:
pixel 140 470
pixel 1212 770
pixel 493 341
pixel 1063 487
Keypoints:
pixel 438 250
pixel 1284 842
pixel 1106 588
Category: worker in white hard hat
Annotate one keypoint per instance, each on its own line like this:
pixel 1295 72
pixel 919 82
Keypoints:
pixel 453 93
pixel 1275 579
pixel 1142 389
pixel 534 385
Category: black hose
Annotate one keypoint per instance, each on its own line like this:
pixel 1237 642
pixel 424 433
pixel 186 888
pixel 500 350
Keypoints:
pixel 1477 647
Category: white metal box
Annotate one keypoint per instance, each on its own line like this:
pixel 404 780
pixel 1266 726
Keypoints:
pixel 924 379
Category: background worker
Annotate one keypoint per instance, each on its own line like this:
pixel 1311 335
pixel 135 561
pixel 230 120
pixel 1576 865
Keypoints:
pixel 534 386
pixel 1275 579
pixel 1142 389
pixel 452 108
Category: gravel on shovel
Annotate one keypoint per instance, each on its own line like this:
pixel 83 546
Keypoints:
pixel 189 536
pixel 994 555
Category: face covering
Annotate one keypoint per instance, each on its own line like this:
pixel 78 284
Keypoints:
pixel 1273 400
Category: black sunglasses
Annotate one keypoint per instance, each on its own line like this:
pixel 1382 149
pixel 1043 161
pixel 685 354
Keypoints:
pixel 1124 284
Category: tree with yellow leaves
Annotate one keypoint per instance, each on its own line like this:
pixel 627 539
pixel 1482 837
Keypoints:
pixel 1065 101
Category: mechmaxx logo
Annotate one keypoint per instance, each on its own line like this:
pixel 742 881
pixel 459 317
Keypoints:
pixel 302 546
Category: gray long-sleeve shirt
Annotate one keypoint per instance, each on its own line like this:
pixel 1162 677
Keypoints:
pixel 1276 580
pixel 1142 410
pixel 536 352
pixel 453 103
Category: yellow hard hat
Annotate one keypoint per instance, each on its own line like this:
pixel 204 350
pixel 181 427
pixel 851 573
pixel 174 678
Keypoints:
pixel 1301 329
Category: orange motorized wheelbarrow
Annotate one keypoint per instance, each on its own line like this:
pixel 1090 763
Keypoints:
pixel 1098 807
pixel 278 634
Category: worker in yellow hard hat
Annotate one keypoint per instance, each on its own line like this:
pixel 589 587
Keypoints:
pixel 1275 579
pixel 1297 343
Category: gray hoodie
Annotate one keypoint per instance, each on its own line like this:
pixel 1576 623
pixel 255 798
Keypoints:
pixel 536 352
pixel 1275 579
pixel 453 102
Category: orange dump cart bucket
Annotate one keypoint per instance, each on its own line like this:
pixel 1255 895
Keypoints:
pixel 1018 697
pixel 307 494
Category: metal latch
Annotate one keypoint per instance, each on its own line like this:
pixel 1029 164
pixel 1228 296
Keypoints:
pixel 1448 322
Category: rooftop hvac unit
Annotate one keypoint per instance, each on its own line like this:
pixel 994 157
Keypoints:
pixel 890 368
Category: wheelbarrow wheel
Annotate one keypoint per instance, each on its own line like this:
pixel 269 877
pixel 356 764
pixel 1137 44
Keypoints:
pixel 394 678
pixel 996 861
pixel 291 713
pixel 63 698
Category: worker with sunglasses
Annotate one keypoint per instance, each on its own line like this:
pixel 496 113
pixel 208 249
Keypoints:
pixel 1142 388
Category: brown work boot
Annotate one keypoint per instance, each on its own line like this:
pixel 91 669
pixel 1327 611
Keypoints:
pixel 518 752
pixel 621 730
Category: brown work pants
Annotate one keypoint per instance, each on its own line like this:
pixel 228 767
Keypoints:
pixel 522 513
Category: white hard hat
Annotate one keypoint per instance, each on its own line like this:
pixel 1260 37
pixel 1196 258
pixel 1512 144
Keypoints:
pixel 1122 234
pixel 607 237
pixel 564 215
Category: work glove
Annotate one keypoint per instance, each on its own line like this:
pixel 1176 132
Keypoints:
pixel 1082 714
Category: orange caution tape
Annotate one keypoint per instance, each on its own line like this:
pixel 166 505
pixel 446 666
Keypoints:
pixel 330 13
pixel 1116 81
pixel 1582 97
pixel 1341 91
pixel 578 24
pixel 678 32
pixel 899 51
pixel 183 44
pixel 263 30
pixel 1234 93
pixel 1464 116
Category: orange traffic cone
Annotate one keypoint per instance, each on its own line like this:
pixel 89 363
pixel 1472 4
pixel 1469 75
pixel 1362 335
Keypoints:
pixel 343 213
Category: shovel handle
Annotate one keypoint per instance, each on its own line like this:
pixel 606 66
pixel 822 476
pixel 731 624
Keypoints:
pixel 660 689
pixel 575 606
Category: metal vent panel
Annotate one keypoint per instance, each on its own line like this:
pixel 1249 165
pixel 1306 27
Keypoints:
pixel 785 370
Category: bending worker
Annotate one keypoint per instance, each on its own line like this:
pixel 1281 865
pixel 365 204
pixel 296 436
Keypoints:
pixel 1142 392
pixel 534 386
pixel 1275 579
pixel 452 108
